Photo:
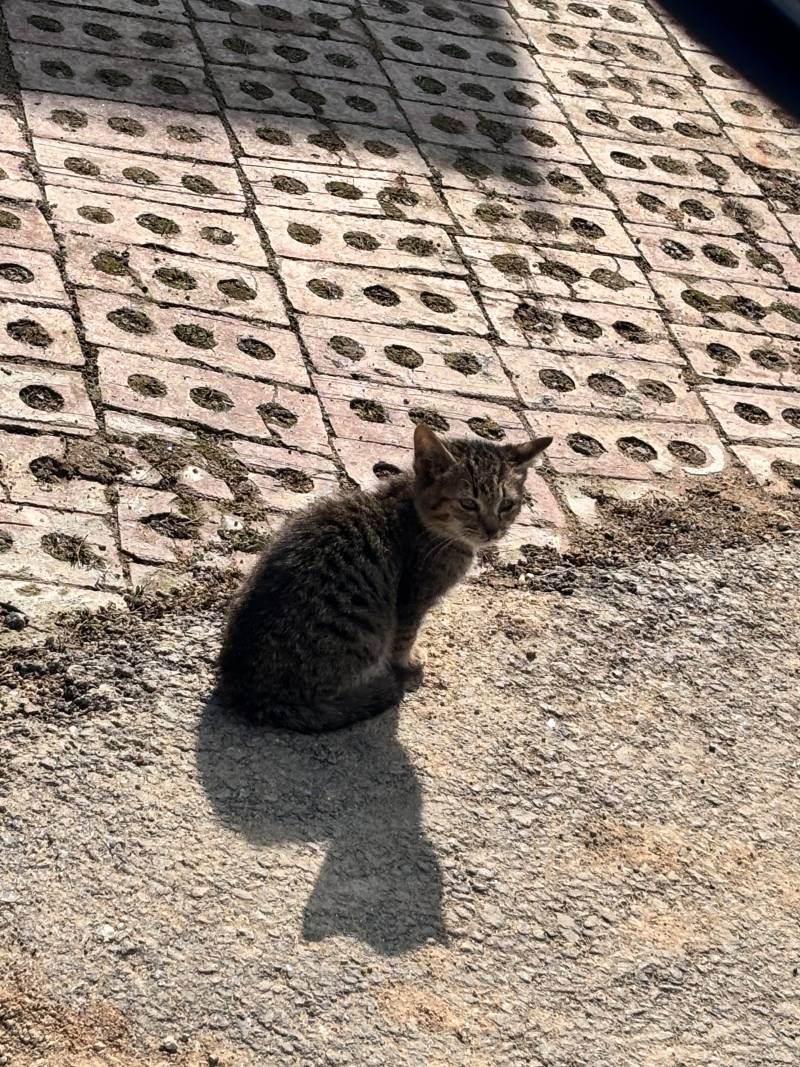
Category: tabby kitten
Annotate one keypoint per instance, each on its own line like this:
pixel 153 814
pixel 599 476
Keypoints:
pixel 322 633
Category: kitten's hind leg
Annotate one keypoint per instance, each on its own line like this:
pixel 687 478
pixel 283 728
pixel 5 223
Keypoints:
pixel 407 657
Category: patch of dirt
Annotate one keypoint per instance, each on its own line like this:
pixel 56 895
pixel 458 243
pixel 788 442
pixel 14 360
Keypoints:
pixel 68 548
pixel 369 410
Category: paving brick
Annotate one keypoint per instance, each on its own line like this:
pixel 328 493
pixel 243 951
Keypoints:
pixel 714 72
pixel 750 358
pixel 676 28
pixel 141 222
pixel 751 110
pixel 500 175
pixel 446 362
pixel 776 468
pixel 491 132
pixel 166 181
pixel 223 401
pixel 291 94
pixel 601 385
pixel 24 226
pixel 221 343
pixel 44 399
pixel 645 125
pixel 386 415
pixel 472 20
pixel 285 480
pixel 279 50
pixel 136 81
pixel 188 281
pixel 300 140
pixel 11 136
pixel 348 239
pixel 278 185
pixel 15 178
pixel 578 275
pixel 156 525
pixel 40 600
pixel 717 256
pixel 755 414
pixel 34 472
pixel 792 225
pixel 626 51
pixel 558 225
pixel 98 31
pixel 697 301
pixel 767 148
pixel 172 10
pixel 670 166
pixel 70 547
pixel 41 333
pixel 382 296
pixel 571 76
pixel 695 210
pixel 457 52
pixel 312 18
pixel 568 326
pixel 619 448
pixel 622 16
pixel 28 275
pixel 455 89
pixel 125 126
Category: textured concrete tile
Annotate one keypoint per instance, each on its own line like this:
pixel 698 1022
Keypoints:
pixel 40 600
pixel 348 239
pixel 193 184
pixel 792 226
pixel 487 131
pixel 171 10
pixel 472 20
pixel 670 166
pixel 188 281
pixel 38 333
pixel 627 51
pixel 750 358
pixel 34 471
pixel 15 178
pixel 695 210
pixel 29 275
pixel 221 343
pixel 311 18
pixel 471 54
pixel 279 50
pixel 24 226
pixel 70 547
pixel 285 480
pixel 645 125
pixel 139 222
pixel 617 448
pixel 543 223
pixel 606 329
pixel 571 76
pixel 128 127
pixel 755 414
pixel 446 362
pixel 776 468
pixel 333 190
pixel 300 140
pixel 710 302
pixel 547 272
pixel 767 148
pixel 715 72
pixel 451 88
pixel 385 414
pixel 98 31
pixel 291 94
pixel 382 296
pixel 49 399
pixel 208 398
pixel 717 256
pixel 601 385
pixel 157 526
pixel 55 70
pixel 624 16
pixel 751 110
pixel 11 136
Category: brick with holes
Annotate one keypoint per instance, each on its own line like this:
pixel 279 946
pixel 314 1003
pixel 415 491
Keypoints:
pixel 16 181
pixel 577 78
pixel 684 167
pixel 286 480
pixel 160 527
pixel 470 19
pixel 749 358
pixel 29 275
pixel 503 96
pixel 457 52
pixel 695 301
pixel 623 16
pixel 36 470
pixel 312 18
pixel 776 468
pixel 755 414
pixel 44 399
pixel 627 51
pixel 777 149
pixel 645 125
pixel 24 226
pixel 38 333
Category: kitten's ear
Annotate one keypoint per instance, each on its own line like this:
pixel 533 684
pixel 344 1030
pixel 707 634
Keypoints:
pixel 521 456
pixel 430 455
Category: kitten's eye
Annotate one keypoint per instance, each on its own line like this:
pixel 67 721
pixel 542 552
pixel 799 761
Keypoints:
pixel 506 505
pixel 468 504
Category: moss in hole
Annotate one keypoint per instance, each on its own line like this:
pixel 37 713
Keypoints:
pixel 210 399
pixel 430 418
pixel 158 224
pixel 174 278
pixel 363 242
pixel 582 326
pixel 194 336
pixel 69 548
pixel 660 392
pixel 556 380
pixel 114 263
pixel 486 427
pixel 688 453
pixel 466 363
pixel 130 320
pixel 184 134
pixel 611 279
pixel 347 347
pixel 606 384
pixel 511 265
pixel 129 127
pixel 562 272
pixel 635 448
pixel 277 415
pixel 29 332
pixel 100 215
pixel 631 331
pixel 325 290
pixel 146 385
pixel 215 235
pixel 236 289
pixel 442 305
pixel 723 257
pixel 752 413
pixel 50 470
pixel 41 398
pixel 369 410
pixel 196 183
pixel 15 272
pixel 140 176
pixel 307 235
pixel 252 346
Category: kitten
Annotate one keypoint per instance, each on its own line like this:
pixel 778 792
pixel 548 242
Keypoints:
pixel 323 631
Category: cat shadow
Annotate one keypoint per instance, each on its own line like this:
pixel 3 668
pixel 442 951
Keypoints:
pixel 354 789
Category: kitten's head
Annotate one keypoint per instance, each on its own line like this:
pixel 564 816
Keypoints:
pixel 471 491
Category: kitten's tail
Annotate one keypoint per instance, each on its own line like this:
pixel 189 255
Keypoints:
pixel 374 696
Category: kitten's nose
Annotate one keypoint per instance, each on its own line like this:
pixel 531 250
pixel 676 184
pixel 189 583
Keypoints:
pixel 491 528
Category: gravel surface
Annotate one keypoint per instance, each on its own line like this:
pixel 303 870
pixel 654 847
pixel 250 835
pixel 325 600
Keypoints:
pixel 575 845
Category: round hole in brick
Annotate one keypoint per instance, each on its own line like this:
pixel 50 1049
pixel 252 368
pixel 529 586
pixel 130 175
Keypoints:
pixel 341 60
pixel 539 137
pixel 29 332
pixel 486 427
pixel 476 92
pixel 101 32
pixel 164 227
pixel 674 249
pixel 146 385
pixel 538 221
pixel 16 273
pixel 273 136
pixel 79 165
pixel 327 140
pixel 124 125
pixel 752 413
pixel 492 213
pixel 642 52
pixel 511 264
pixel 790 472
pixel 581 326
pixel 792 416
pixel 723 257
pixel 403 356
pixel 141 176
pixel 256 90
pixel 534 319
pixel 69 119
pixel 585 445
pixel 769 359
pixel 215 235
pixel 306 235
pixel 274 414
pixel 184 134
pixel 610 279
pixel 347 347
pixel 645 124
pixel 631 331
pixel 56 69
pixel 130 320
pixel 498 132
pixel 381 148
pixel 344 190
pixel 605 118
pixel 441 305
pixel 46 25
pixel 113 263
pixel 441 14
pixel 290 54
pixel 324 289
pixel 429 417
pixel 430 85
pixel 360 103
pixel 380 294
pixel 650 203
pixel 723 354
pixel 41 398
pixel 308 96
pixel 252 346
pixel 194 336
pixel 453 51
pixel 6 540
pixel 556 380
pixel 659 392
pixel 156 40
pixel 585 11
pixel 501 59
pixel 471 168
pixel 393 194
pixel 210 399
pixel 286 184
pixel 294 480
pixel 100 215
pixel 369 410
pixel 466 363
pixel 416 246
pixel 239 46
pixel 173 278
pixel 689 454
pixel 584 228
pixel 669 164
pixel 114 79
pixel 236 289
pixel 696 210
pixel 69 548
pixel 364 242
pixel 381 470
pixel 196 183
pixel 606 384
pixel 562 272
pixel 9 221
pixel 635 448
pixel 50 470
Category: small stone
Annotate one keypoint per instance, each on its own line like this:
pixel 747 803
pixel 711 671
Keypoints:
pixel 15 620
pixel 170 1045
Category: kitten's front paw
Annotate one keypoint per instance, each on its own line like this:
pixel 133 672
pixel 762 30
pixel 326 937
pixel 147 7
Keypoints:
pixel 412 673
